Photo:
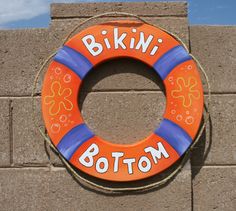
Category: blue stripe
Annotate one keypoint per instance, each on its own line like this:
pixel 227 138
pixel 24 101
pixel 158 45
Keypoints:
pixel 174 135
pixel 74 139
pixel 74 60
pixel 171 59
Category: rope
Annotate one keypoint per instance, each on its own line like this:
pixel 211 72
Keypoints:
pixel 65 162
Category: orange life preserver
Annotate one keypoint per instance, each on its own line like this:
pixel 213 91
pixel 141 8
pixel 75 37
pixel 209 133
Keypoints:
pixel 90 153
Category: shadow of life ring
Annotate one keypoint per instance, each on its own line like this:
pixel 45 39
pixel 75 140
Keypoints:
pixel 97 157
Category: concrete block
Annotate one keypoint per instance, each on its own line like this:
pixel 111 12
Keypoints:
pixel 139 8
pixel 68 194
pixel 5 133
pixel 214 188
pixel 21 55
pixel 41 189
pixel 24 189
pixel 122 117
pixel 28 145
pixel 220 135
pixel 214 46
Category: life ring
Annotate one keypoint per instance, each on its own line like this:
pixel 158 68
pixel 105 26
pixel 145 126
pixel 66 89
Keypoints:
pixel 91 154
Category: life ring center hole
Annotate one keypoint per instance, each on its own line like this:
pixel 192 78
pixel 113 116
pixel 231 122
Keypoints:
pixel 122 100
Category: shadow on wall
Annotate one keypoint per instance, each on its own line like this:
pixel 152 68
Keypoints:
pixel 202 148
pixel 199 152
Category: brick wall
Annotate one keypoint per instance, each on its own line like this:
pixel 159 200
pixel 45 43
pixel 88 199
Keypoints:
pixel 29 182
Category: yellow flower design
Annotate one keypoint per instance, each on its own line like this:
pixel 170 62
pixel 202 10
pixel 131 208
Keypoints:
pixel 58 99
pixel 186 91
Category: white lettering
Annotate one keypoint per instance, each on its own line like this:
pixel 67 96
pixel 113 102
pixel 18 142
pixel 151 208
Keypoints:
pixel 119 40
pixel 107 43
pixel 145 168
pixel 94 47
pixel 105 165
pixel 143 43
pixel 131 43
pixel 129 162
pixel 154 50
pixel 89 154
pixel 117 155
pixel 157 153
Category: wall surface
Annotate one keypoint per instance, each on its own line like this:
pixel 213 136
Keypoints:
pixel 28 181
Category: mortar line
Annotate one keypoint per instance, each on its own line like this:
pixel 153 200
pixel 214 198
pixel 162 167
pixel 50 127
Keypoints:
pixel 189 40
pixel 192 202
pixel 24 167
pixel 221 93
pixel 215 166
pixel 17 96
pixel 118 16
pixel 124 91
pixel 192 199
pixel 63 167
pixel 116 91
pixel 31 167
pixel 11 131
pixel 152 91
